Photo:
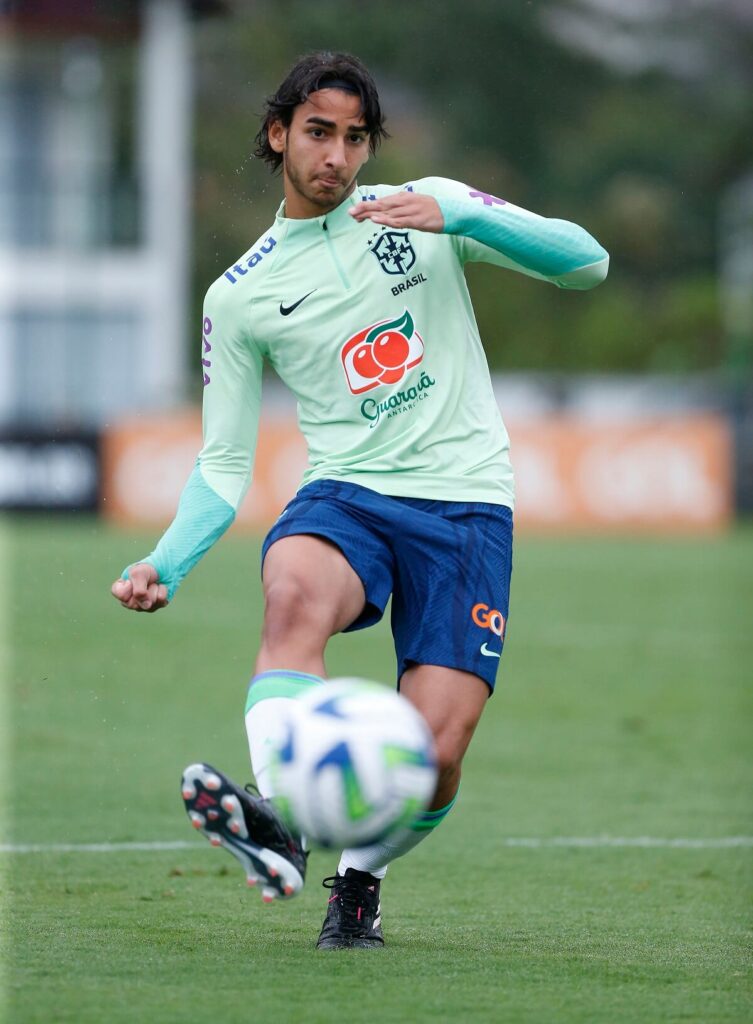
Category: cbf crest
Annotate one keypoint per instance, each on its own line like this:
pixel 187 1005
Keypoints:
pixel 394 251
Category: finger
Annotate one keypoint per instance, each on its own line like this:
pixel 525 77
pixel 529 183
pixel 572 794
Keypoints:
pixel 393 204
pixel 140 598
pixel 153 592
pixel 390 220
pixel 156 598
pixel 375 204
pixel 139 577
pixel 362 210
pixel 147 599
pixel 122 589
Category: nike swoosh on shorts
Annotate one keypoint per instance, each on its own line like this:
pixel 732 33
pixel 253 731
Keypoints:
pixel 488 653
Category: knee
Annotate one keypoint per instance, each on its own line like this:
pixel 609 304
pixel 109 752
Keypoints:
pixel 291 608
pixel 449 750
pixel 449 760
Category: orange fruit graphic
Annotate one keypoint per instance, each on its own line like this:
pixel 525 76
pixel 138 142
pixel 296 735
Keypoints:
pixel 391 349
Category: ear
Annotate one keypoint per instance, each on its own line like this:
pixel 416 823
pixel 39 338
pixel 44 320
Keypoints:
pixel 277 134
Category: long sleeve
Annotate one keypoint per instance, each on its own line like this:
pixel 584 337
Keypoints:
pixel 488 229
pixel 232 368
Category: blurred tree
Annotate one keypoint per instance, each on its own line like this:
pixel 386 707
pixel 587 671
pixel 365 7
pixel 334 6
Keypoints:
pixel 580 109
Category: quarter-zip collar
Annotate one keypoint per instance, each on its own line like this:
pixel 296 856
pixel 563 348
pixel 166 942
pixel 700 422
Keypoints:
pixel 335 222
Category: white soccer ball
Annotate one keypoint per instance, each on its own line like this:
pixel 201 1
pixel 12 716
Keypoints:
pixel 355 763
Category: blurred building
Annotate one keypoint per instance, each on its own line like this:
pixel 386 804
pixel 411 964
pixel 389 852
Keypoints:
pixel 94 208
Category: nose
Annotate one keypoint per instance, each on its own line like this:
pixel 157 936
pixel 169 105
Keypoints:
pixel 336 154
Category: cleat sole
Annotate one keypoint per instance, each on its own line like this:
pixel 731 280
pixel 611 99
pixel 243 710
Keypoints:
pixel 226 827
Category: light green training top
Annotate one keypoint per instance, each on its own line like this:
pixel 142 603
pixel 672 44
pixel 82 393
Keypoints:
pixel 373 331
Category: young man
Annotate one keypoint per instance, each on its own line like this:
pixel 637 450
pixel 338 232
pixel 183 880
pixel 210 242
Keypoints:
pixel 356 296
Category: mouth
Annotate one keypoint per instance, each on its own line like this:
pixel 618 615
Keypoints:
pixel 330 183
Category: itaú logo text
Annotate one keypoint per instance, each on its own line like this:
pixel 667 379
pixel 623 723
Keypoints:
pixel 381 353
pixel 488 618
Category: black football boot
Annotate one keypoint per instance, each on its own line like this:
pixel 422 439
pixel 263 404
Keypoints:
pixel 247 826
pixel 353 918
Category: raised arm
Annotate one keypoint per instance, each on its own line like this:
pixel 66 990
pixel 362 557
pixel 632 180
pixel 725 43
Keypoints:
pixel 488 229
pixel 232 365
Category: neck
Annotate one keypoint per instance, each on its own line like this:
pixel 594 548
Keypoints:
pixel 298 207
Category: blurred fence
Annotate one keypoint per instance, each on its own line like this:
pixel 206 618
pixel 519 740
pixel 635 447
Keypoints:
pixel 668 474
pixel 589 453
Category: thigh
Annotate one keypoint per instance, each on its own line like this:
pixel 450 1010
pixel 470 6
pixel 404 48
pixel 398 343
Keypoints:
pixel 318 574
pixel 339 519
pixel 451 596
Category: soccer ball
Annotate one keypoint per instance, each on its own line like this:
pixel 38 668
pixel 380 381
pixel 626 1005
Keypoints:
pixel 355 763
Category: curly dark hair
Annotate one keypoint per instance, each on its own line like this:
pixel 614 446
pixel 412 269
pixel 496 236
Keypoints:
pixel 311 72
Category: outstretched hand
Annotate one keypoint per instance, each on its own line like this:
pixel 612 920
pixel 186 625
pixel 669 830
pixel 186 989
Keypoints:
pixel 142 591
pixel 402 210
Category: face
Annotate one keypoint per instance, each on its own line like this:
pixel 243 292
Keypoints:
pixel 323 150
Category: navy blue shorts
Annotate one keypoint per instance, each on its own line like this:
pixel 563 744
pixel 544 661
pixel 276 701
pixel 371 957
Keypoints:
pixel 447 565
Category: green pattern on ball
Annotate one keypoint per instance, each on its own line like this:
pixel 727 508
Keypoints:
pixel 412 808
pixel 285 808
pixel 394 756
pixel 357 806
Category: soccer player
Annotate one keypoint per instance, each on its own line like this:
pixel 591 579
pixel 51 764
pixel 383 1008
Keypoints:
pixel 356 296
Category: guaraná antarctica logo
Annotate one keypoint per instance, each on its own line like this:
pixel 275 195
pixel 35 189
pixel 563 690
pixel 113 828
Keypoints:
pixel 382 354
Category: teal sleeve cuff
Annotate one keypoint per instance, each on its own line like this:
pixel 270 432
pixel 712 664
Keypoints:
pixel 543 245
pixel 201 519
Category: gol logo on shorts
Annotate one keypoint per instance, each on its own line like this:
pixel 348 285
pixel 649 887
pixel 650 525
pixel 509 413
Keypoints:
pixel 381 353
pixel 489 618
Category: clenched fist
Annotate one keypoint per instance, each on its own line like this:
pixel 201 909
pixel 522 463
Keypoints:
pixel 142 591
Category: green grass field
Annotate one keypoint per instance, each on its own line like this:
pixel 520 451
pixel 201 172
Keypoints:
pixel 624 709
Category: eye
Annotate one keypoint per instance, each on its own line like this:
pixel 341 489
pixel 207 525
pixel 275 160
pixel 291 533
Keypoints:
pixel 358 138
pixel 318 133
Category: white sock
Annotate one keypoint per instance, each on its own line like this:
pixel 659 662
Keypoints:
pixel 267 702
pixel 376 858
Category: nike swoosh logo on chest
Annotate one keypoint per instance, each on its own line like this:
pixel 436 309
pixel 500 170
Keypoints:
pixel 287 310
